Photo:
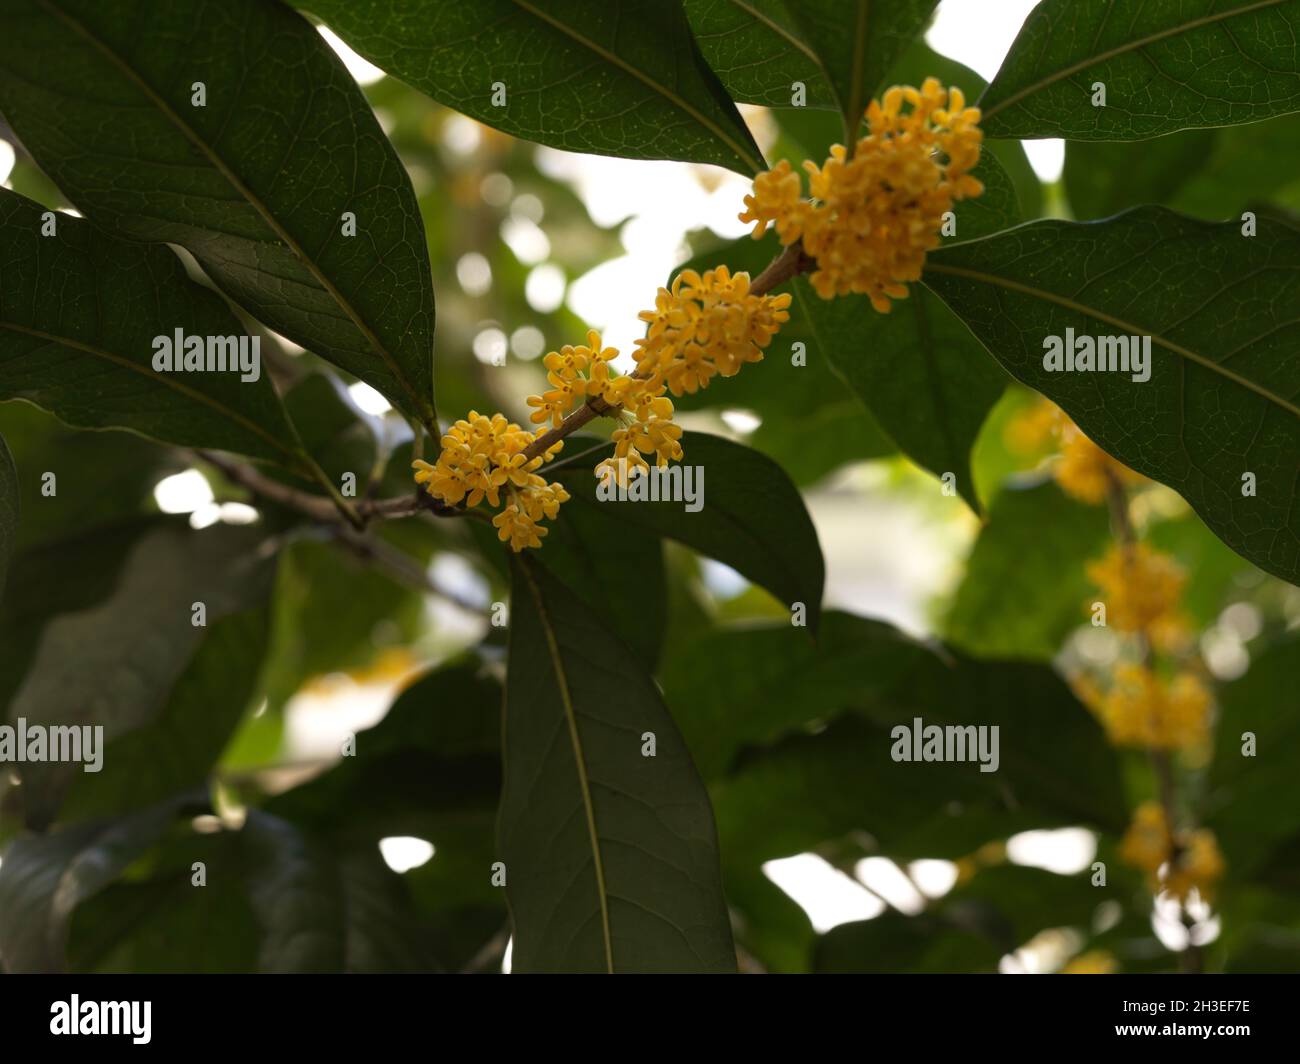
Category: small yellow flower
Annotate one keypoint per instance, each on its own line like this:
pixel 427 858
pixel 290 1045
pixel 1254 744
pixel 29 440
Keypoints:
pixel 1141 586
pixel 874 214
pixel 1084 470
pixel 1178 865
pixel 1141 709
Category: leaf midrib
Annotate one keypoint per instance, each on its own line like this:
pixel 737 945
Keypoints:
pixel 741 151
pixel 579 759
pixel 167 382
pixel 1124 326
pixel 252 200
pixel 1120 49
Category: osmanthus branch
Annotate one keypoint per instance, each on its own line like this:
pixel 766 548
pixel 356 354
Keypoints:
pixel 1121 517
pixel 786 266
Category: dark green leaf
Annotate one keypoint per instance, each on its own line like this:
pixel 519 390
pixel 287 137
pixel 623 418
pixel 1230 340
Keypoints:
pixel 611 856
pixel 858 41
pixel 753 518
pixel 100 478
pixel 9 508
pixel 894 942
pixel 1166 65
pixel 1220 309
pixel 255 182
pixel 43 878
pixel 1253 802
pixel 756 49
pixel 176 750
pixel 116 663
pixel 61 351
pixel 621 79
pixel 327 911
pixel 1025 587
pixel 1104 178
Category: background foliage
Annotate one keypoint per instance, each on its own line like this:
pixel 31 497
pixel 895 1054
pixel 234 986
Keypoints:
pixel 351 686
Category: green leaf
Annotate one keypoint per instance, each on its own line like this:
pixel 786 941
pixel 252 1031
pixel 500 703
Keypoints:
pixel 115 664
pixel 43 878
pixel 1253 802
pixel 9 507
pixel 255 182
pixel 818 728
pixel 117 470
pixel 757 50
pixel 1220 309
pixel 622 79
pixel 176 750
pixel 93 369
pixel 1025 587
pixel 894 942
pixel 327 911
pixel 737 687
pixel 1212 174
pixel 611 856
pixel 1166 65
pixel 918 369
pixel 858 42
pixel 753 519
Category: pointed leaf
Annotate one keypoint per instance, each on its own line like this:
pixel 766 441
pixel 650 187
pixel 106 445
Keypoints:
pixel 1165 64
pixel 254 181
pixel 62 350
pixel 1221 311
pixel 622 79
pixel 611 856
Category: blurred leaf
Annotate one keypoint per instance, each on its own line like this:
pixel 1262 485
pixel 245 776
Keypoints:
pixel 1166 65
pixel 9 507
pixel 858 42
pixel 756 49
pixel 116 663
pixel 1212 568
pixel 324 911
pixel 799 790
pixel 769 924
pixel 1253 803
pixel 101 478
pixel 1213 174
pixel 894 942
pixel 753 519
pixel 94 370
pixel 1199 424
pixel 176 750
pixel 255 182
pixel 625 79
pixel 43 878
pixel 734 687
pixel 1011 903
pixel 1025 587
pixel 611 855
pixel 1103 178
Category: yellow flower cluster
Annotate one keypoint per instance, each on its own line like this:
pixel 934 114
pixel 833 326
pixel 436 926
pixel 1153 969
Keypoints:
pixel 874 213
pixel 481 456
pixel 1083 470
pixel 1142 709
pixel 1142 588
pixel 1177 864
pixel 706 325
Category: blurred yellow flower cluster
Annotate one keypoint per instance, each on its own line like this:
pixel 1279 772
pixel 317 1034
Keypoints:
pixel 1177 863
pixel 1142 709
pixel 873 214
pixel 1093 962
pixel 1082 469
